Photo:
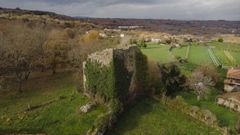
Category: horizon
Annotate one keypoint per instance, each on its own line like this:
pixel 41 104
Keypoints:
pixel 187 10
pixel 91 17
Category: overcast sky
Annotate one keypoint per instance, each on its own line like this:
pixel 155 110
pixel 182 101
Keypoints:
pixel 158 9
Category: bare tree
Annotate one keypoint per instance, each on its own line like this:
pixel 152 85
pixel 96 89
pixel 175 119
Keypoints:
pixel 19 49
pixel 203 78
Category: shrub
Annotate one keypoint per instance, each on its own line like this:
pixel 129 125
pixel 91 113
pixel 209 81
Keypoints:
pixel 220 40
pixel 172 79
pixel 202 79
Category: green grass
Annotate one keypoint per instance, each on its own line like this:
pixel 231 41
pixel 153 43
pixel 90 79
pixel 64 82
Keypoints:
pixel 234 50
pixel 158 53
pixel 236 56
pixel 60 117
pixel 180 52
pixel 221 56
pixel 225 46
pixel 150 117
pixel 226 118
pixel 199 55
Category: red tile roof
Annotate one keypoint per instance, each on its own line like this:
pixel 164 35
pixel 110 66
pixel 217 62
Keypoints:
pixel 234 73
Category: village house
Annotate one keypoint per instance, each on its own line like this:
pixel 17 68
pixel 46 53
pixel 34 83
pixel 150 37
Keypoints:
pixel 231 99
pixel 103 35
pixel 232 83
pixel 156 40
pixel 122 35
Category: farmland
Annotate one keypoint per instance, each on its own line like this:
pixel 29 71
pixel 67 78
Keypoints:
pixel 218 54
pixel 158 53
pixel 224 53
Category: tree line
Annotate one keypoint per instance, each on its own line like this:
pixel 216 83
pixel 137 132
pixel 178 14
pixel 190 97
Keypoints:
pixel 29 47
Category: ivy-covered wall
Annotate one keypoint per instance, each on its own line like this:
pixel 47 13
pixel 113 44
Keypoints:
pixel 100 81
pixel 123 78
pixel 114 77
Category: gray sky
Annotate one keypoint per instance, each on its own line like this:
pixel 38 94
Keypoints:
pixel 158 9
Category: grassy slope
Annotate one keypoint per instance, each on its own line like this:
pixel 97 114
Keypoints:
pixel 149 117
pixel 57 118
pixel 226 118
pixel 158 53
pixel 199 55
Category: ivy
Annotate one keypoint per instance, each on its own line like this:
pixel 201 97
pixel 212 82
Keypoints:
pixel 100 80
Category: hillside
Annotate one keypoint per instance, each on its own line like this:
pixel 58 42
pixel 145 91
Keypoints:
pixel 172 26
pixel 62 75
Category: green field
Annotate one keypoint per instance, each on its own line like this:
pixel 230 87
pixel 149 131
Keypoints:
pixel 158 53
pixel 222 57
pixel 60 117
pixel 180 52
pixel 198 53
pixel 150 117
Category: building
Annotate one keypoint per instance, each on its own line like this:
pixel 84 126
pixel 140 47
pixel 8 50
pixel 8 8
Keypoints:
pixel 232 83
pixel 122 35
pixel 103 35
pixel 230 100
pixel 156 40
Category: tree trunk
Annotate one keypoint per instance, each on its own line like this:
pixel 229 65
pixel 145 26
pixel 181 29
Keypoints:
pixel 20 87
pixel 42 68
pixel 53 71
pixel 27 75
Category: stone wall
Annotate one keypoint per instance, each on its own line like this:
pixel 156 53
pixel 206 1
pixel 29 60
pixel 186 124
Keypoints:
pixel 129 70
pixel 114 77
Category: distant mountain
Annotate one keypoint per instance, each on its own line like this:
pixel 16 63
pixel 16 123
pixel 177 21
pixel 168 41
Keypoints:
pixel 158 25
pixel 172 26
pixel 34 12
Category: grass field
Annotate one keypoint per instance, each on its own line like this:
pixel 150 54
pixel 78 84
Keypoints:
pixel 221 56
pixel 150 117
pixel 158 53
pixel 226 118
pixel 180 52
pixel 60 117
pixel 198 53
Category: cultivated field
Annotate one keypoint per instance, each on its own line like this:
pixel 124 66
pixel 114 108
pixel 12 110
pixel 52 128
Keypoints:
pixel 219 54
pixel 158 53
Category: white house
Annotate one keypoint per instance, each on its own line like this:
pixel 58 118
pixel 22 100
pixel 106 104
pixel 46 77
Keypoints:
pixel 122 35
pixel 156 40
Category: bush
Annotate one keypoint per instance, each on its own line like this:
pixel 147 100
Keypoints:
pixel 172 79
pixel 220 40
